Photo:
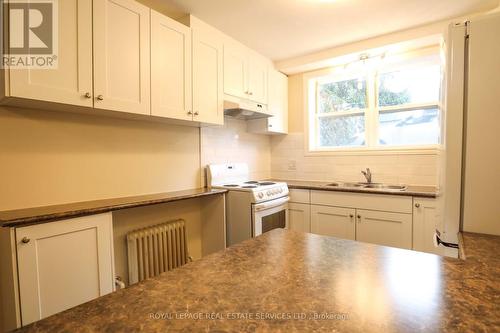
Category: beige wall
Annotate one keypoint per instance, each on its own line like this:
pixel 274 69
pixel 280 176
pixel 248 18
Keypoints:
pixel 286 150
pixel 232 143
pixel 56 157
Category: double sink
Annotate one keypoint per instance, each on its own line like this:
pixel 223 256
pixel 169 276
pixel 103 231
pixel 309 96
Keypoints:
pixel 375 186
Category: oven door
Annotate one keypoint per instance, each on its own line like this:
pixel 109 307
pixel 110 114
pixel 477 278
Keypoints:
pixel 269 215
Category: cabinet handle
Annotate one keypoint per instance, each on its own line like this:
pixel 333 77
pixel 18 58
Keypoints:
pixel 417 205
pixel 88 95
pixel 25 240
pixel 100 98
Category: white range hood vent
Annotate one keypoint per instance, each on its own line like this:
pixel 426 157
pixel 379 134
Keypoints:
pixel 244 109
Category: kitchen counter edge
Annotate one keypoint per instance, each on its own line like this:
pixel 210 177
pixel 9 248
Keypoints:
pixel 411 191
pixel 44 214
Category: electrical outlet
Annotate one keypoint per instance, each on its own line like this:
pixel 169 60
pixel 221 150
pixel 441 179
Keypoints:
pixel 292 165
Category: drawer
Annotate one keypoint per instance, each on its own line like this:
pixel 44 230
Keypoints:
pixel 300 196
pixel 380 202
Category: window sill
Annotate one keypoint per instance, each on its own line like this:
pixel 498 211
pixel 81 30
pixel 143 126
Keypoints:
pixel 365 151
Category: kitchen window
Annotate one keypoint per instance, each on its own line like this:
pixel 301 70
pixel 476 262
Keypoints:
pixel 380 104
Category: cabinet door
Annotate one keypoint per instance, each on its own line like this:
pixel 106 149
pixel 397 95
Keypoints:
pixel 63 264
pixel 299 217
pixel 170 68
pixel 278 102
pixel 70 82
pixel 257 79
pixel 384 228
pixel 235 70
pixel 122 56
pixel 333 221
pixel 208 91
pixel 424 225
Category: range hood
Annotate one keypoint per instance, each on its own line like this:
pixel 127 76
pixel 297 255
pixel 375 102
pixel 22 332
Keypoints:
pixel 240 108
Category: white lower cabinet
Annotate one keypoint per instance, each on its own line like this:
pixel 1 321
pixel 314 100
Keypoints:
pixel 63 264
pixel 299 217
pixel 333 221
pixel 424 225
pixel 384 228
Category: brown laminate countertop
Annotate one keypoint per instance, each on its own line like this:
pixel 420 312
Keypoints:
pixel 36 215
pixel 412 190
pixel 287 281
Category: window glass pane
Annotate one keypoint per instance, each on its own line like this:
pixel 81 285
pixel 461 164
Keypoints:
pixel 341 131
pixel 342 95
pixel 415 127
pixel 415 85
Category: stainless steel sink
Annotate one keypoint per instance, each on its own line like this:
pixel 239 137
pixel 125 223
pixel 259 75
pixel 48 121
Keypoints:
pixel 346 184
pixel 386 187
pixel 375 186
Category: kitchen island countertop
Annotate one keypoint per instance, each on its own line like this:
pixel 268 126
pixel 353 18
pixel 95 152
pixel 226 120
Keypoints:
pixel 286 281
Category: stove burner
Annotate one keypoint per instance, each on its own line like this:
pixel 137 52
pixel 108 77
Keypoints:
pixel 231 185
pixel 249 186
pixel 266 183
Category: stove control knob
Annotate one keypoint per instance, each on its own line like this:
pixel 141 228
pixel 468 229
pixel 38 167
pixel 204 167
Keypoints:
pixel 260 195
pixel 269 192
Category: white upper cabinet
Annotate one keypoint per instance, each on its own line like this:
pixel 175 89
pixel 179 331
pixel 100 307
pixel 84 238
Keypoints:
pixel 122 56
pixel 170 68
pixel 71 82
pixel 245 73
pixel 278 102
pixel 258 69
pixel 235 70
pixel 208 93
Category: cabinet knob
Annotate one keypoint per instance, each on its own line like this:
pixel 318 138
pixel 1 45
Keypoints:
pixel 88 95
pixel 417 205
pixel 359 217
pixel 250 93
pixel 190 112
pixel 196 113
pixel 25 240
pixel 100 98
pixel 351 216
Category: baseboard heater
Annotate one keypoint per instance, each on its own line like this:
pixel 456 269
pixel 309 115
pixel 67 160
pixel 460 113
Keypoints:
pixel 156 249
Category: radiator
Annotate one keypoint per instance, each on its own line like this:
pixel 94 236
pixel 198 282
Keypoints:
pixel 156 249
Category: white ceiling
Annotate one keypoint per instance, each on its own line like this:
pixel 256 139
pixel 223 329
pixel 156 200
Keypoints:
pixel 283 29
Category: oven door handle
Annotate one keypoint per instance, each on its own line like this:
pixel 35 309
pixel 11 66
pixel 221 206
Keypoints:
pixel 271 204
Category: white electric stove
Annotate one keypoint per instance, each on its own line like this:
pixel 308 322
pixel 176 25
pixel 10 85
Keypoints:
pixel 252 207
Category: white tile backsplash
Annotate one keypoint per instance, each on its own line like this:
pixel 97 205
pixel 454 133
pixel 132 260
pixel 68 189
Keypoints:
pixel 402 168
pixel 232 143
pixel 283 157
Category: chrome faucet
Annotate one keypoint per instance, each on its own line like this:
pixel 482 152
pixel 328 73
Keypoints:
pixel 368 175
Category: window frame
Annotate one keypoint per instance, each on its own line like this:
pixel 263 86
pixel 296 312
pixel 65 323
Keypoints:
pixel 372 112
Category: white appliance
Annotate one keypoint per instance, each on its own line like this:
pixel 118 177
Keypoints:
pixel 240 108
pixel 470 172
pixel 252 207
